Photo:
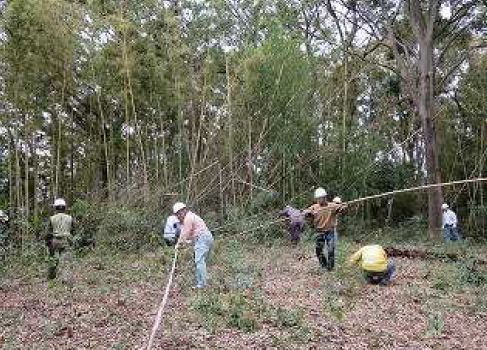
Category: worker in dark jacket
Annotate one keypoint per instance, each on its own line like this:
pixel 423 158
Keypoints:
pixel 295 223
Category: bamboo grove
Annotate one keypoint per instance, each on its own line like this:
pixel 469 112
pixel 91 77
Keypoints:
pixel 228 103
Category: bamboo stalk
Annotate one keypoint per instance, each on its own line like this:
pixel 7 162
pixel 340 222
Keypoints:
pixel 104 134
pixel 230 126
pixel 222 205
pixel 249 162
pixel 418 188
pixel 10 172
pixel 26 176
pixel 127 114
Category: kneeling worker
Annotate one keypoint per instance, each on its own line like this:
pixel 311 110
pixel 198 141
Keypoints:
pixel 376 267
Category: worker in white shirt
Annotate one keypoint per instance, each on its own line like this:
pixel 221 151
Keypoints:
pixel 172 230
pixel 450 223
pixel 337 200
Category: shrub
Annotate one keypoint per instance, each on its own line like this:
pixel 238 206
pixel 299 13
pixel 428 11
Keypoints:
pixel 124 228
pixel 242 314
pixel 436 323
pixel 282 317
pixel 235 309
pixel 470 273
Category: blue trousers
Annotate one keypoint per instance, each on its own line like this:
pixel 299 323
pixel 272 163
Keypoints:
pixel 382 278
pixel 202 248
pixel 451 233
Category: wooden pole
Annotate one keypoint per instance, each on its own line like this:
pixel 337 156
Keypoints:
pixel 418 188
pixel 158 320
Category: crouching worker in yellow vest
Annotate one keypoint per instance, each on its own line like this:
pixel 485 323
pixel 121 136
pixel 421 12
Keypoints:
pixel 377 268
pixel 58 236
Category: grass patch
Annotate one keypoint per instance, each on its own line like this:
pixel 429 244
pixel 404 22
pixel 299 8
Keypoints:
pixel 238 310
pixel 435 324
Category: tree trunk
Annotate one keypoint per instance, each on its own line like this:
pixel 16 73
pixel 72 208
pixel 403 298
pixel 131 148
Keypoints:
pixel 423 24
pixel 344 117
pixel 425 106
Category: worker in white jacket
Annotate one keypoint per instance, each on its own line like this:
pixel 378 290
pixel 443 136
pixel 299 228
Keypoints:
pixel 450 223
pixel 172 230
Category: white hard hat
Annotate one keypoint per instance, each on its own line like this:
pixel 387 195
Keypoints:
pixel 444 206
pixel 59 202
pixel 177 207
pixel 337 200
pixel 320 193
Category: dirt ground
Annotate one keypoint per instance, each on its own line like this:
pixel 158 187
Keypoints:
pixel 260 297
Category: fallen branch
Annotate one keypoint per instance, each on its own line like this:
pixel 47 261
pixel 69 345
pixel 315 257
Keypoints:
pixel 426 255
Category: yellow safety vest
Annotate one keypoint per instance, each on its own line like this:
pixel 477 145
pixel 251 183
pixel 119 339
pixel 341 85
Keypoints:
pixel 372 258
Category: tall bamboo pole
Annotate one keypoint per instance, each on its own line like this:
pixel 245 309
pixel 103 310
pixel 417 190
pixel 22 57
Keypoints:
pixel 230 127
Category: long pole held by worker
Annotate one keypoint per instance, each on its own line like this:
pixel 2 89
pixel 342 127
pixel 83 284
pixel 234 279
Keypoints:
pixel 157 321
pixel 418 188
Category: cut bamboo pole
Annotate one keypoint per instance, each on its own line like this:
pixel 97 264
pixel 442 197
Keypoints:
pixel 418 188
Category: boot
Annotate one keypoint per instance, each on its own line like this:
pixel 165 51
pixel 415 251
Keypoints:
pixel 51 272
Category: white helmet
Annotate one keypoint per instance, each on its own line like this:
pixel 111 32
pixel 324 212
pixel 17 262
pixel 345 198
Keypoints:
pixel 337 200
pixel 444 206
pixel 177 207
pixel 3 215
pixel 320 193
pixel 59 202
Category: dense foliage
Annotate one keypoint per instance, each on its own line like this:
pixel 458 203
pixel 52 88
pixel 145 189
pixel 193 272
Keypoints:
pixel 234 104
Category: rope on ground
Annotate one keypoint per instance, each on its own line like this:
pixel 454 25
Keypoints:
pixel 158 319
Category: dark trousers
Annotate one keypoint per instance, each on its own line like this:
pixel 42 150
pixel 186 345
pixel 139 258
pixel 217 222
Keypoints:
pixel 295 231
pixel 327 239
pixel 382 278
pixel 55 248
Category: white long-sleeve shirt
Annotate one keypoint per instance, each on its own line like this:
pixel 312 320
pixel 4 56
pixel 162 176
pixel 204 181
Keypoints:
pixel 449 218
pixel 172 228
